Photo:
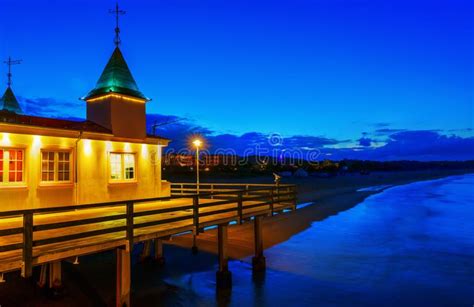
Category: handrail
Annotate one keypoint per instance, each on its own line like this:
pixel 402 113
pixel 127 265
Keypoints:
pixel 256 196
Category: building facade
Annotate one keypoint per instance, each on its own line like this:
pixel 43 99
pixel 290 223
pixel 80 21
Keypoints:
pixel 48 162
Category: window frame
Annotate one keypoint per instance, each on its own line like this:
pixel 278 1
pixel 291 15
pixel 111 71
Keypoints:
pixel 5 183
pixel 55 181
pixel 122 167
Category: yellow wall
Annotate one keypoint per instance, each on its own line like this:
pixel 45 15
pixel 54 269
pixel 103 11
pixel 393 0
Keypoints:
pixel 93 184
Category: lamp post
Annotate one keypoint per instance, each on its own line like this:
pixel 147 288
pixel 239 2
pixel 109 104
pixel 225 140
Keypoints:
pixel 198 144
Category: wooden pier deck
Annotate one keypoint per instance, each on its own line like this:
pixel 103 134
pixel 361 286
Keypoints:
pixel 46 236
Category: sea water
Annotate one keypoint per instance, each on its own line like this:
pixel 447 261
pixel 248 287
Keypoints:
pixel 410 245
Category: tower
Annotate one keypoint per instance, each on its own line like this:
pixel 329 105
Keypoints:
pixel 8 101
pixel 116 102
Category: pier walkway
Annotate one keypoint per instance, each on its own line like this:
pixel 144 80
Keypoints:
pixel 47 236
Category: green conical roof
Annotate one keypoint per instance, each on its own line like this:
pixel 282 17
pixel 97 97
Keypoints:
pixel 9 102
pixel 116 78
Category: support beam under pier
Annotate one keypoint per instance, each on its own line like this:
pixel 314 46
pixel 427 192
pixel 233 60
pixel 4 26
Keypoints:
pixel 123 278
pixel 194 248
pixel 223 275
pixel 258 262
pixel 158 252
pixel 55 276
pixel 146 252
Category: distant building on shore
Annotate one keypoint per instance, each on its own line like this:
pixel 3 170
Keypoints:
pixel 205 159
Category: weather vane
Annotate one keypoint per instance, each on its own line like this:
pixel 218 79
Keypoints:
pixel 117 13
pixel 11 62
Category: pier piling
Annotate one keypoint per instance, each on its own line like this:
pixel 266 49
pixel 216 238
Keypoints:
pixel 223 275
pixel 158 251
pixel 123 277
pixel 258 261
pixel 55 276
pixel 146 252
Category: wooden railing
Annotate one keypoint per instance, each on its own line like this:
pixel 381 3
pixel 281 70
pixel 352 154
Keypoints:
pixel 179 189
pixel 31 234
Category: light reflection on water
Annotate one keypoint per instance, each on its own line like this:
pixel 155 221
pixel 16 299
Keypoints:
pixel 410 245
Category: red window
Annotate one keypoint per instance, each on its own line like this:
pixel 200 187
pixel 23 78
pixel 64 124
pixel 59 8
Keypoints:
pixel 11 165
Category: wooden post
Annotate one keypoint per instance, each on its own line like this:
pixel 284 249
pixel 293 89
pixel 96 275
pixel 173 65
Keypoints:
pixel 130 224
pixel 159 251
pixel 27 268
pixel 55 277
pixel 43 275
pixel 240 208
pixel 196 222
pixel 146 252
pixel 278 192
pixel 293 195
pixel 123 278
pixel 223 275
pixel 272 201
pixel 258 262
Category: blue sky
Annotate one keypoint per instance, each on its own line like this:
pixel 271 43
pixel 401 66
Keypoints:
pixel 358 74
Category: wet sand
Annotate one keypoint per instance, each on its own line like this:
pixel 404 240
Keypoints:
pixel 92 283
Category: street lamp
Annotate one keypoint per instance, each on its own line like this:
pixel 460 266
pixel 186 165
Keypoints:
pixel 197 143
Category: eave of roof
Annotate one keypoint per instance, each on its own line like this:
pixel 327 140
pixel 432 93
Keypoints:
pixel 7 117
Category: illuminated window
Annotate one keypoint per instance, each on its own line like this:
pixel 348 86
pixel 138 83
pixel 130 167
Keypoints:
pixel 122 167
pixel 11 165
pixel 55 166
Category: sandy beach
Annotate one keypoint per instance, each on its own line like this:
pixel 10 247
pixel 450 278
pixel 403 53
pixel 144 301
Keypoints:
pixel 92 283
pixel 328 196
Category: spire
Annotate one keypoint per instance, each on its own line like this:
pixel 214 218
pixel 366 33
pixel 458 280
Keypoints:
pixel 8 100
pixel 117 13
pixel 116 78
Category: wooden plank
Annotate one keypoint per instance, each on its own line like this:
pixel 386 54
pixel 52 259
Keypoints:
pixel 55 255
pixel 78 222
pixel 11 231
pixel 79 235
pixel 164 221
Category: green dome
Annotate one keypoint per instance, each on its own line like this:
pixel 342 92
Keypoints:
pixel 9 102
pixel 116 78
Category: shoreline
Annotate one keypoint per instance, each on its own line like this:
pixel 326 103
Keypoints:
pixel 331 201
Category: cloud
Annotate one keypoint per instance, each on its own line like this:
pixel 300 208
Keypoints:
pixel 387 131
pixel 365 141
pixel 421 145
pixel 50 107
pixel 251 143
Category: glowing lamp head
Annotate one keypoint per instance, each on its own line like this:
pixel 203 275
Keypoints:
pixel 197 143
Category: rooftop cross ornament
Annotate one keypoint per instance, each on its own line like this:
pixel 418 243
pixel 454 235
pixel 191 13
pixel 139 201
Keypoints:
pixel 117 13
pixel 11 62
